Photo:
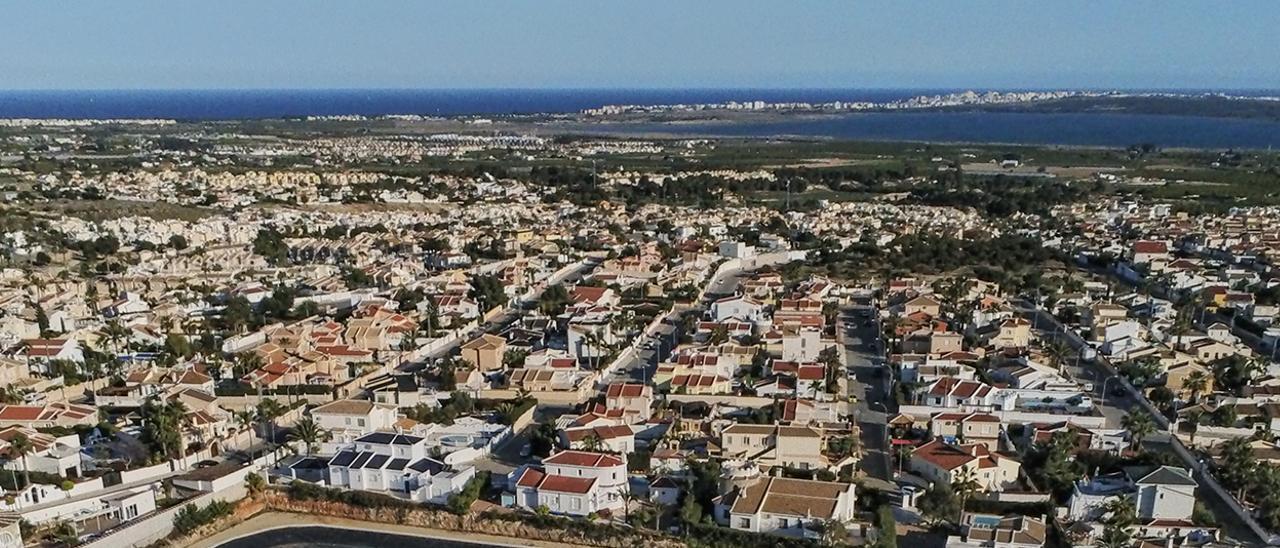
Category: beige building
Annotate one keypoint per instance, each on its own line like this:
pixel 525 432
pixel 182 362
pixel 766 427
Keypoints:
pixel 485 352
pixel 768 445
pixel 922 304
pixel 978 428
pixel 784 506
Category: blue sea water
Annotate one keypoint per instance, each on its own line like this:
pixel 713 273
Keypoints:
pixel 1098 129
pixel 241 104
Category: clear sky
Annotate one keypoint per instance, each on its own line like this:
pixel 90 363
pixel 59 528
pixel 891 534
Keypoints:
pixel 93 44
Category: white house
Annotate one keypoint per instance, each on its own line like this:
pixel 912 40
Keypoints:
pixel 575 483
pixel 1167 493
pixel 52 455
pixel 347 420
pixel 785 506
pixel 396 464
pixel 614 439
pixel 739 307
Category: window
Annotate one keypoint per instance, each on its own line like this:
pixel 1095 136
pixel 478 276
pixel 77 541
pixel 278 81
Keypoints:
pixel 360 422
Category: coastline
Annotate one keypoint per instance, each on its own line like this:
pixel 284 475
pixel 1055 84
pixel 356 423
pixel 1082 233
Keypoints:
pixel 275 520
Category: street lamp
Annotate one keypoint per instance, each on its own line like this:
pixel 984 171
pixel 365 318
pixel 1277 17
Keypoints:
pixel 1104 389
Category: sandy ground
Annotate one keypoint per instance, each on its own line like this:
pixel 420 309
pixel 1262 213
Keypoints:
pixel 276 520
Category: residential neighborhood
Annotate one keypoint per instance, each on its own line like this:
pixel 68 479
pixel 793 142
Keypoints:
pixel 567 345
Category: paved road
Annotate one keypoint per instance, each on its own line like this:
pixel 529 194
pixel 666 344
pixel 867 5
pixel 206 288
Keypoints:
pixel 869 381
pixel 1110 397
pixel 1115 408
pixel 644 360
pixel 509 315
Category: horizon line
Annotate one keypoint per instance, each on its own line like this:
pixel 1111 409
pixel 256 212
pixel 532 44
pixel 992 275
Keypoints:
pixel 1157 89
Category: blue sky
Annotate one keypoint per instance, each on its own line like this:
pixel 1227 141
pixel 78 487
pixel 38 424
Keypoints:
pixel 651 44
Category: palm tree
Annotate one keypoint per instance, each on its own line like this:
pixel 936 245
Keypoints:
pixel 1057 352
pixel 246 417
pixel 1195 383
pixel 1120 512
pixel 269 410
pixel 245 363
pixel 592 442
pixel 1139 425
pixel 309 433
pixel 19 447
pixel 593 342
pixel 816 386
pixel 1193 424
pixel 1114 537
pixel 628 496
pixel 115 333
pixel 1120 518
pixel 964 485
pixel 507 411
pixel 1238 464
pixel 891 333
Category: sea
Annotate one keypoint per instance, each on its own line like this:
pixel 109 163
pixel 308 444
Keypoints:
pixel 1086 129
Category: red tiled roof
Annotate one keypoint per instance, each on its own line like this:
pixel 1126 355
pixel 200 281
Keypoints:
pixel 625 390
pixel 584 459
pixel 1148 246
pixel 566 484
pixel 20 413
pixel 530 478
pixel 811 372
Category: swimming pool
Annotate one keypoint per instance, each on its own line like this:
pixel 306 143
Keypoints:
pixel 455 440
pixel 987 522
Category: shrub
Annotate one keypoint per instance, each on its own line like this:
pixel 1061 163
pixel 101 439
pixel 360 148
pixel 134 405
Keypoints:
pixel 460 502
pixel 191 517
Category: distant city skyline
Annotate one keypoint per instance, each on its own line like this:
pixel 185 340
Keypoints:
pixel 235 44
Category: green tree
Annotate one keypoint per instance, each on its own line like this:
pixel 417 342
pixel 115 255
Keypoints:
pixel 1057 352
pixel 940 503
pixel 488 291
pixel 310 433
pixel 964 485
pixel 1139 425
pixel 690 512
pixel 269 410
pixel 1195 384
pixel 162 427
pixel 19 447
pixel 255 484
pixel 888 528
